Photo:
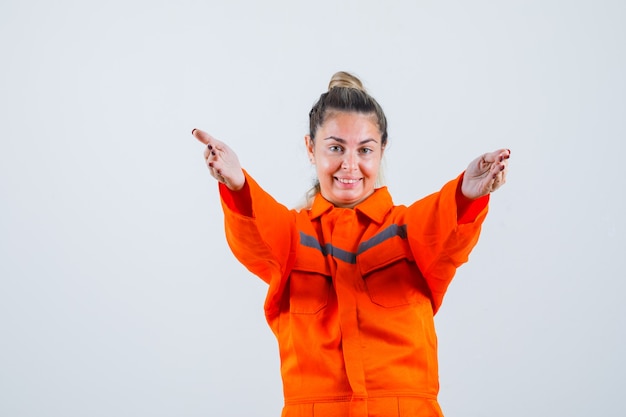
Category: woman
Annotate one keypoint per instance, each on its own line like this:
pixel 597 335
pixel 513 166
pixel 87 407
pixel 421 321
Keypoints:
pixel 354 281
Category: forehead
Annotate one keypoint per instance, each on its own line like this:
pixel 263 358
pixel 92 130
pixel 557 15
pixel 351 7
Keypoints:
pixel 350 125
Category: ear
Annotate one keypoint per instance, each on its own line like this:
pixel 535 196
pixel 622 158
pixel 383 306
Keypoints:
pixel 310 148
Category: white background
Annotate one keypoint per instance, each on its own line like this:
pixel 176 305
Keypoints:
pixel 118 294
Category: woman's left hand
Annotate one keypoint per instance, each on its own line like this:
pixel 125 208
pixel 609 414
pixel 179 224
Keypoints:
pixel 485 174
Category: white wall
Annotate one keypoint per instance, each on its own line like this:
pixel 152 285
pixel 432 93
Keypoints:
pixel 118 294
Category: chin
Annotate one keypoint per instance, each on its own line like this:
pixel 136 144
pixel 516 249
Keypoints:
pixel 348 201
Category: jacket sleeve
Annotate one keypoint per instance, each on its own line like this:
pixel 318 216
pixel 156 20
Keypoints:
pixel 260 231
pixel 442 229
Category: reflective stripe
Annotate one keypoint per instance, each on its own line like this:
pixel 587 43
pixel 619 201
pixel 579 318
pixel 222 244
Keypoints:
pixel 350 257
pixel 328 249
pixel 391 231
pixel 310 241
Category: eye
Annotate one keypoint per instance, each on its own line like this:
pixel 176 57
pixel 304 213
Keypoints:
pixel 335 148
pixel 367 150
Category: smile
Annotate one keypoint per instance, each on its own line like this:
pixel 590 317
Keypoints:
pixel 347 180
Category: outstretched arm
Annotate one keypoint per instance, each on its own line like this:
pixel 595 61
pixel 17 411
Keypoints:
pixel 260 231
pixel 485 174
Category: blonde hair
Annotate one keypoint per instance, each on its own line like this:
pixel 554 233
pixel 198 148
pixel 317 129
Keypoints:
pixel 346 80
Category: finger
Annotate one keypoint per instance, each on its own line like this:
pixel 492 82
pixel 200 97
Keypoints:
pixel 499 179
pixel 218 175
pixel 497 183
pixel 215 173
pixel 502 154
pixel 497 156
pixel 209 153
pixel 498 167
pixel 213 163
pixel 494 170
pixel 203 137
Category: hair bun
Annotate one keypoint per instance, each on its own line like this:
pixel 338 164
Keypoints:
pixel 345 80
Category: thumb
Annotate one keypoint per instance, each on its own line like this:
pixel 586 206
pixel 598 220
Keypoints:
pixel 202 136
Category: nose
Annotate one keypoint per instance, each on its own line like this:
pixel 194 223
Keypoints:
pixel 349 162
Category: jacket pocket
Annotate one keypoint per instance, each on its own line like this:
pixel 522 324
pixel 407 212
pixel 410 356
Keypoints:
pixel 391 277
pixel 309 286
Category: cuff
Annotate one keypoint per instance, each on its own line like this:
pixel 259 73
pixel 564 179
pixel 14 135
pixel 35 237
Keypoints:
pixel 467 209
pixel 239 202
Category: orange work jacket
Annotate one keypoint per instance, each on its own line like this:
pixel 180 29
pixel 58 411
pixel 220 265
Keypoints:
pixel 352 294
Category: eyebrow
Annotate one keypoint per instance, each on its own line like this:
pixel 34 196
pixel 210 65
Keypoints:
pixel 344 141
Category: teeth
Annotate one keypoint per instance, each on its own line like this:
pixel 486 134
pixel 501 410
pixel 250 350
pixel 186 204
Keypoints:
pixel 346 181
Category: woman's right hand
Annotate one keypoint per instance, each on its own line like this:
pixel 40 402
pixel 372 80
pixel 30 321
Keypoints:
pixel 223 163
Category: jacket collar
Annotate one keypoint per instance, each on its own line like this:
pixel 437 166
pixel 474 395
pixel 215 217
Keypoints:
pixel 375 206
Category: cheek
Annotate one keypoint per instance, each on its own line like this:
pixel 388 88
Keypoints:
pixel 370 168
pixel 325 166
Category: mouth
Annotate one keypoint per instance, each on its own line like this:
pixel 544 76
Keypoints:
pixel 348 181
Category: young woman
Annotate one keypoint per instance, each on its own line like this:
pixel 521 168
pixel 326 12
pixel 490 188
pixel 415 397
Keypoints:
pixel 354 281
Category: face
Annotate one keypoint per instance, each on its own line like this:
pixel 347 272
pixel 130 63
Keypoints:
pixel 346 152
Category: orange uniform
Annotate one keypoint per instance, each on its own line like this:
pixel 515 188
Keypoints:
pixel 352 294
